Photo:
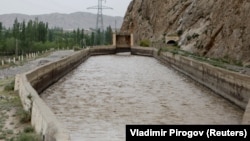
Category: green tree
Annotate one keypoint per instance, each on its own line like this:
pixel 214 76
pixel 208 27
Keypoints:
pixel 23 42
pixel 42 32
pixel 50 35
pixel 1 28
pixel 92 39
pixel 16 28
pixel 108 35
pixel 78 36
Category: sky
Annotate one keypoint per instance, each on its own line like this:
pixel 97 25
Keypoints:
pixel 37 7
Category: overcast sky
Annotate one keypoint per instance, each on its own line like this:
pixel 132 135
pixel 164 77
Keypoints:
pixel 36 7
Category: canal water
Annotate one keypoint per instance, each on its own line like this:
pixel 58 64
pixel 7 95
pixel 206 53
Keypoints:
pixel 96 100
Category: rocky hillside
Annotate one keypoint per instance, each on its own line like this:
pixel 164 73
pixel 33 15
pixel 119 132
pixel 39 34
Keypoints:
pixel 213 28
pixel 66 21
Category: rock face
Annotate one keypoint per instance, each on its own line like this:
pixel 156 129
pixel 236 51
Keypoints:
pixel 212 28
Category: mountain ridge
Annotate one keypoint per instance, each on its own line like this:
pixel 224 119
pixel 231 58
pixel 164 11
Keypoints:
pixel 69 21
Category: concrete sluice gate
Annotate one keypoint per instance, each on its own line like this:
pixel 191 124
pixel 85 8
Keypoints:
pixel 97 99
pixel 123 42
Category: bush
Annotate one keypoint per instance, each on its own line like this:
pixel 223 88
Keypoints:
pixel 189 37
pixel 40 46
pixel 29 129
pixel 145 43
pixel 179 32
pixel 25 116
pixel 28 137
pixel 10 86
pixel 195 35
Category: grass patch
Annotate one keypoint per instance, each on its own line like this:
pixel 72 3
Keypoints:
pixel 28 134
pixel 25 116
pixel 2 136
pixel 9 101
pixel 10 132
pixel 10 86
pixel 28 137
pixel 221 62
pixel 6 81
pixel 29 129
pixel 145 43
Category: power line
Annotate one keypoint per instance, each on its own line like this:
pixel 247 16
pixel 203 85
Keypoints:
pixel 99 20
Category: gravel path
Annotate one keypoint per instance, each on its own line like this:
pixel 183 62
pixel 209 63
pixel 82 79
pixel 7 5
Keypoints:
pixel 12 71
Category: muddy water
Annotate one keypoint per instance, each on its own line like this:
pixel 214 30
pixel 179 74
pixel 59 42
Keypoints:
pixel 105 93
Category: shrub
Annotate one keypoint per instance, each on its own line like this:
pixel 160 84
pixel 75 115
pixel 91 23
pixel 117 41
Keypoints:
pixel 25 116
pixel 2 136
pixel 179 32
pixel 28 137
pixel 29 129
pixel 195 35
pixel 189 37
pixel 145 43
pixel 10 86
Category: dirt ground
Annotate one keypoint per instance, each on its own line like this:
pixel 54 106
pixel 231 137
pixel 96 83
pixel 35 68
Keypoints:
pixel 12 116
pixel 10 108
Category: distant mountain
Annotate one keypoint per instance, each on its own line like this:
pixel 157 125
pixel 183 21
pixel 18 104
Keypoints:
pixel 66 21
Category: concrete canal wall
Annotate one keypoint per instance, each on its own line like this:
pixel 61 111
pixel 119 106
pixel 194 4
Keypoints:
pixel 32 83
pixel 233 86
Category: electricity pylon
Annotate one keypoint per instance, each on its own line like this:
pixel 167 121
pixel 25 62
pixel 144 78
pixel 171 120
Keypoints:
pixel 99 20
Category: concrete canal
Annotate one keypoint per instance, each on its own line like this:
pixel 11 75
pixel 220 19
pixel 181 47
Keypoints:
pixel 97 99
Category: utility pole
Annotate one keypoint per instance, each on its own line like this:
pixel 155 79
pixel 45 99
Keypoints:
pixel 99 20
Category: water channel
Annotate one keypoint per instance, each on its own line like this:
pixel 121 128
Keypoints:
pixel 96 100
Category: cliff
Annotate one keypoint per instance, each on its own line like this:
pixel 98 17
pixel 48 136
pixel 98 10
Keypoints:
pixel 212 28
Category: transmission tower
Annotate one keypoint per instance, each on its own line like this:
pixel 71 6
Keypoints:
pixel 99 20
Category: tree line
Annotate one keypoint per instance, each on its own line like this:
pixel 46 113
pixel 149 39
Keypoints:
pixel 34 35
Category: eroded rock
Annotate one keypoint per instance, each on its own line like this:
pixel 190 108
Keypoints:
pixel 210 28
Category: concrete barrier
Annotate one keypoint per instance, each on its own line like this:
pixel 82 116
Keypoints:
pixel 246 116
pixel 143 51
pixel 102 50
pixel 32 83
